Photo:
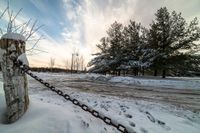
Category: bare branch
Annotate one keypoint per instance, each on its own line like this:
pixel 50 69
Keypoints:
pixel 24 28
pixel 37 50
pixel 17 27
pixel 16 14
pixel 52 62
pixel 3 12
pixel 32 31
pixel 1 31
pixel 35 44
pixel 9 27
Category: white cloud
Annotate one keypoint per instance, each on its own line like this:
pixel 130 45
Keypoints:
pixel 98 17
pixel 91 18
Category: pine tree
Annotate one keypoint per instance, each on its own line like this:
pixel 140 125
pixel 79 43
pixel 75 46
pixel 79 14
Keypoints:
pixel 145 51
pixel 100 64
pixel 132 48
pixel 170 45
pixel 161 32
pixel 169 37
pixel 115 38
pixel 152 54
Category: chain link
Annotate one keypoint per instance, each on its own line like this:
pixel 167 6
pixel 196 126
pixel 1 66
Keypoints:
pixel 107 120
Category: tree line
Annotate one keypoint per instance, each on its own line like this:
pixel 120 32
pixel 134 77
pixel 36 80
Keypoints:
pixel 169 46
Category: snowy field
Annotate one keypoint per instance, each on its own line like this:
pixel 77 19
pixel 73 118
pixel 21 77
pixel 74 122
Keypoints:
pixel 50 113
pixel 169 82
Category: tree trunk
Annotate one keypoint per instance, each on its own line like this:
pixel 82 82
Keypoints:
pixel 155 72
pixel 142 71
pixel 119 72
pixel 135 71
pixel 14 82
pixel 124 72
pixel 164 73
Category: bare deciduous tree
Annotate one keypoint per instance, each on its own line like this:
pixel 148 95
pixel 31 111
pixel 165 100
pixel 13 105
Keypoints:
pixel 51 62
pixel 66 64
pixel 82 63
pixel 75 60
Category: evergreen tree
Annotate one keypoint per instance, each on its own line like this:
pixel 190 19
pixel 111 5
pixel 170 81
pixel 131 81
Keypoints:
pixel 145 55
pixel 170 45
pixel 133 45
pixel 115 38
pixel 100 64
pixel 168 38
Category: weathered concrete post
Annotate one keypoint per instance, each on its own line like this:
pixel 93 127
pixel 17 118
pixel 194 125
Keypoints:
pixel 12 45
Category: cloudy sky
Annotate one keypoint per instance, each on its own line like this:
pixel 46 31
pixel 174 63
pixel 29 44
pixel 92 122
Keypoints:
pixel 79 24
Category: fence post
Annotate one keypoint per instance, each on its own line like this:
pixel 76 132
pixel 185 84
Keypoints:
pixel 12 45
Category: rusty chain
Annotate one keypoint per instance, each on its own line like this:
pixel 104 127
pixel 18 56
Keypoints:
pixel 107 120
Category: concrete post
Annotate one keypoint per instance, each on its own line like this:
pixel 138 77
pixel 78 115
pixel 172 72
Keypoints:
pixel 14 82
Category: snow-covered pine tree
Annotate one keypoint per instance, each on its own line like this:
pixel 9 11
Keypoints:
pixel 115 37
pixel 145 55
pixel 100 64
pixel 132 48
pixel 159 39
pixel 167 45
pixel 169 37
pixel 187 48
pixel 152 53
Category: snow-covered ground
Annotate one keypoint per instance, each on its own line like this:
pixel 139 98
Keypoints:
pixel 169 82
pixel 50 113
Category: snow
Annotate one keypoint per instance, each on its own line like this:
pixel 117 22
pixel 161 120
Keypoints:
pixel 50 113
pixel 171 82
pixel 2 52
pixel 14 36
pixel 22 58
pixel 167 83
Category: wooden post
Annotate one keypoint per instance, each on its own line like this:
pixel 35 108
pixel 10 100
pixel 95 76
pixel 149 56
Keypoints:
pixel 14 82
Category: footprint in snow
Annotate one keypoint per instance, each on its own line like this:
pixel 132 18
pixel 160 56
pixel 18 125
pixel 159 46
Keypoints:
pixel 120 113
pixel 131 124
pixel 159 122
pixel 95 105
pixel 103 106
pixel 84 124
pixel 76 111
pixel 128 116
pixel 108 102
pixel 123 108
pixel 143 130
